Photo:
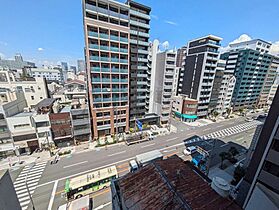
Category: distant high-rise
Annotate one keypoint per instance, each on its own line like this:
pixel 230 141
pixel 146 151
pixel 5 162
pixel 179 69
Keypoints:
pixel 250 62
pixel 17 63
pixel 80 65
pixel 199 67
pixel 260 186
pixel 64 66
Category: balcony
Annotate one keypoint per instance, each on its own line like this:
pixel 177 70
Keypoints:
pixel 82 131
pixel 115 80
pixel 95 69
pixel 123 39
pixel 103 47
pixel 94 58
pixel 96 90
pixel 124 71
pixel 106 59
pixel 114 70
pixel 123 60
pixel 123 50
pixel 84 121
pixel 115 38
pixel 124 80
pixel 105 79
pixel 133 22
pixel 96 80
pixel 114 49
pixel 93 34
pixel 139 14
pixel 115 99
pixel 104 36
pixel 94 46
pixel 105 70
pixel 214 43
pixel 124 98
pixel 115 60
pixel 146 35
pixel 97 99
pixel 124 90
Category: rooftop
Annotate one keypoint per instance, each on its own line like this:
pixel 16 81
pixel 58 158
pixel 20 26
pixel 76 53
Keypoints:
pixel 180 187
pixel 47 102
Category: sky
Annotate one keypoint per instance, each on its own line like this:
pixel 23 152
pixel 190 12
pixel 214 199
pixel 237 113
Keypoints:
pixel 50 31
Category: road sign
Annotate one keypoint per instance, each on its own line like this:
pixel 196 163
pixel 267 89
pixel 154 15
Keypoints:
pixel 139 124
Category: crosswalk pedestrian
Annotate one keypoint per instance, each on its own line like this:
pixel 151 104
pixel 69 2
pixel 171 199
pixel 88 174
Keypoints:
pixel 234 130
pixel 33 174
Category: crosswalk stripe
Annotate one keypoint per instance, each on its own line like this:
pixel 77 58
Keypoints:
pixel 25 203
pixel 33 168
pixel 30 175
pixel 25 190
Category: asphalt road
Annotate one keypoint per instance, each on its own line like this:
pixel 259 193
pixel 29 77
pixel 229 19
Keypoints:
pixel 48 193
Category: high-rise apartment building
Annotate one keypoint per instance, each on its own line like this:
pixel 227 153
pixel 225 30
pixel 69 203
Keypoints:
pixel 163 85
pixel 250 62
pixel 199 67
pixel 260 186
pixel 269 80
pixel 80 65
pixel 222 90
pixel 107 32
pixel 139 20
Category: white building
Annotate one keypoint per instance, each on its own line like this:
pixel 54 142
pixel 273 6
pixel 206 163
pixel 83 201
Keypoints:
pixel 34 89
pixel 47 73
pixel 255 44
pixel 175 81
pixel 163 85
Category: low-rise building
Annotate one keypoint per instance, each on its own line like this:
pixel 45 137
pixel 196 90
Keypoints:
pixel 48 73
pixel 167 184
pixel 184 108
pixel 80 122
pixel 34 89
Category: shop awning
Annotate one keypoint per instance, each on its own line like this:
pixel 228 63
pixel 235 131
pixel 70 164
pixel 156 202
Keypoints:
pixel 186 116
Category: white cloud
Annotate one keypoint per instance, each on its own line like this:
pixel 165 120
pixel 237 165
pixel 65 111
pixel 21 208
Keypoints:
pixel 154 17
pixel 241 38
pixel 166 45
pixel 40 49
pixel 275 48
pixel 171 22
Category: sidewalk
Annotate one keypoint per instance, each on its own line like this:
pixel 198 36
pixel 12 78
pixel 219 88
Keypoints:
pixel 38 157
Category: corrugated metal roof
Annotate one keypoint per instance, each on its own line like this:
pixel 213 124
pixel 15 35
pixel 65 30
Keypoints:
pixel 169 184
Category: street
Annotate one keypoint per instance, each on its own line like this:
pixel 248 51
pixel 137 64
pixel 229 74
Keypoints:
pixel 47 194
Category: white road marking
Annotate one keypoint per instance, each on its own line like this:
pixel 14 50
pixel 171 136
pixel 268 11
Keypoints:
pixel 75 164
pixel 52 195
pixel 239 139
pixel 148 145
pixel 169 150
pixel 118 153
pixel 219 126
pixel 172 139
pixel 207 129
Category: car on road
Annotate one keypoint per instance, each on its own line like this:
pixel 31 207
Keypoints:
pixel 190 150
pixel 133 166
pixel 249 119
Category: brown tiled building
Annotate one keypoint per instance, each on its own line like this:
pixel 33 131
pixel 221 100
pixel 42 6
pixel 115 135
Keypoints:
pixel 184 108
pixel 61 128
pixel 167 184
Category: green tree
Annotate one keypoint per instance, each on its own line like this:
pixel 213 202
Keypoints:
pixel 228 111
pixel 215 114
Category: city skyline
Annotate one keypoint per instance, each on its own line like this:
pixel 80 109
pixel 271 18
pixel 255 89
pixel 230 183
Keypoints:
pixel 53 45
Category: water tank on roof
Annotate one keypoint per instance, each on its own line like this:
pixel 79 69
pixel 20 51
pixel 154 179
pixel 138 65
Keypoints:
pixel 221 186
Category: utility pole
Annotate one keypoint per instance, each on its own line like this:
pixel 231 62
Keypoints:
pixel 48 144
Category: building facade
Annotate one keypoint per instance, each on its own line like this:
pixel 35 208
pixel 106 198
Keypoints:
pixel 199 67
pixel 34 89
pixel 106 29
pixel 139 22
pixel 184 108
pixel 17 63
pixel 81 66
pixel 222 90
pixel 259 188
pixel 163 85
pixel 250 62
pixel 51 75
pixel 269 81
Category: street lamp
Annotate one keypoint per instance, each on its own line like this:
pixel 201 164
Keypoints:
pixel 30 167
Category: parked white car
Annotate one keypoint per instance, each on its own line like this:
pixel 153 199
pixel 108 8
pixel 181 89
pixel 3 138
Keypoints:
pixel 190 150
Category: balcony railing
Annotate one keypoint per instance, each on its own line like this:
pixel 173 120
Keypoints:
pixel 94 46
pixel 123 60
pixel 104 36
pixel 92 33
pixel 123 39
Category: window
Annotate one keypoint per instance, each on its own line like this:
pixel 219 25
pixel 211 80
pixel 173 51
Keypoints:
pixel 32 97
pixel 21 126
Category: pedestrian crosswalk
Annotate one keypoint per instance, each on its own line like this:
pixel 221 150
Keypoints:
pixel 234 130
pixel 33 174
